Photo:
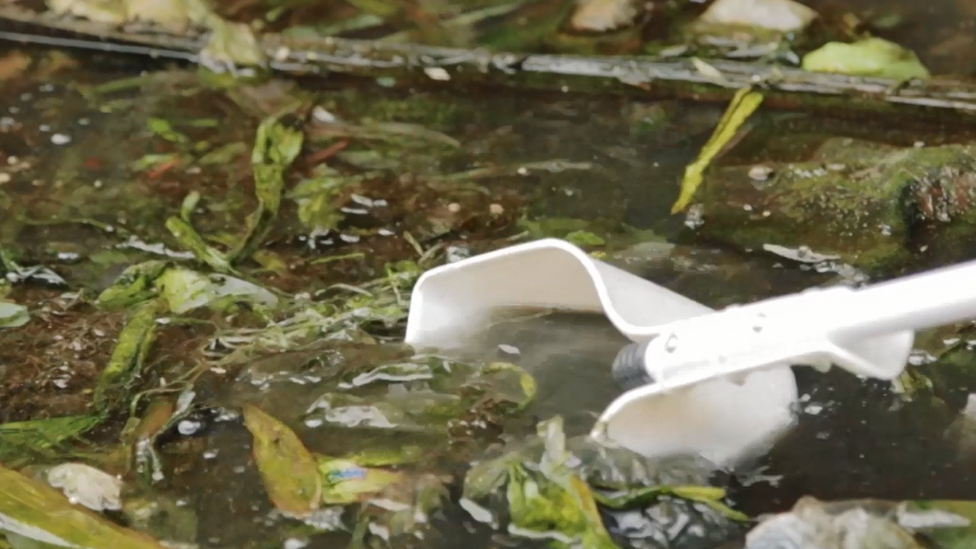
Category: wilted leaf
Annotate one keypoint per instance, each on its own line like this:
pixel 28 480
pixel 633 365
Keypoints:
pixel 345 481
pixel 150 161
pixel 128 356
pixel 951 524
pixel 647 495
pixel 135 285
pixel 192 241
pixel 401 132
pixel 870 57
pixel 185 290
pixel 289 470
pixel 275 148
pixel 36 273
pixel 743 104
pixel 560 511
pixel 380 457
pixel 508 384
pixel 34 511
pixel 164 129
pixel 317 200
pixel 231 45
pixel 412 412
pixel 223 155
pixel 13 315
pixel 525 27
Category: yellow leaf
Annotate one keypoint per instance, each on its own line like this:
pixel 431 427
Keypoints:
pixel 289 470
pixel 33 510
pixel 743 104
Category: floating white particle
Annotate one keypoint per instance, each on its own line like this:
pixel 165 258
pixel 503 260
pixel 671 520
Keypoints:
pixel 437 73
pixel 362 200
pixel 188 427
pixel 60 139
pixel 509 349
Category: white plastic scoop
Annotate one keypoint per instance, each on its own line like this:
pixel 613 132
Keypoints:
pixel 715 383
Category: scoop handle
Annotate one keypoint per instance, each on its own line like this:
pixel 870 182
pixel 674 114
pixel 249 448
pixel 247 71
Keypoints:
pixel 916 302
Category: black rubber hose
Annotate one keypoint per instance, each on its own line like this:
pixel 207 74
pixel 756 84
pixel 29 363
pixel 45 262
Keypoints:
pixel 629 370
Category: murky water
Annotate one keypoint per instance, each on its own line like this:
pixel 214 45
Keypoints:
pixel 79 205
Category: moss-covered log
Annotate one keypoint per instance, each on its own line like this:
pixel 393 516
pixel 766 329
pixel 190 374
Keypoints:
pixel 873 206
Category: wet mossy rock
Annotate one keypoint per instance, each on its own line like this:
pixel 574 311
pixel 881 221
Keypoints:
pixel 873 206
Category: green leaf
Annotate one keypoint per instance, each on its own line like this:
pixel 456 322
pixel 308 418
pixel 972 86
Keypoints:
pixel 345 481
pixel 647 495
pixel 135 285
pixel 189 204
pixel 585 238
pixel 563 512
pixel 223 155
pixel 289 470
pixel 13 315
pixel 870 57
pixel 950 523
pixel 128 356
pixel 276 147
pixel 743 104
pixel 185 290
pixel 19 440
pixel 33 512
pixel 192 241
pixel 231 45
pixel 317 200
pixel 164 129
pixel 508 384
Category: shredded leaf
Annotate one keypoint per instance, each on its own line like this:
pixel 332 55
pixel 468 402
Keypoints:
pixel 644 496
pixel 135 285
pixel 192 241
pixel 185 290
pixel 743 104
pixel 563 510
pixel 275 148
pixel 128 356
pixel 19 441
pixel 290 472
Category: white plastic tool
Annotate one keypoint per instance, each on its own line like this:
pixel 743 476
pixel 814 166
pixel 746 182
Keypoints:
pixel 714 382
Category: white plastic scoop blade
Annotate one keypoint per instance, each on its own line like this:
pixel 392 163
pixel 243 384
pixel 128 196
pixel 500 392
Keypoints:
pixel 719 418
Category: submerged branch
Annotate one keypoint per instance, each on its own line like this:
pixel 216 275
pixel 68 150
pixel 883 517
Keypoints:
pixel 641 75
